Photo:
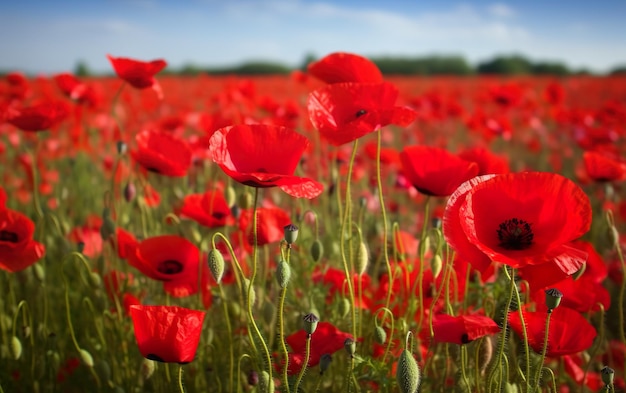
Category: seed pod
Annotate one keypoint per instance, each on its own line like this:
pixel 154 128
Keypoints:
pixel 317 250
pixel 350 346
pixel 310 323
pixel 16 347
pixel 283 273
pixel 86 357
pixel 216 264
pixel 291 233
pixel 408 373
pixel 553 298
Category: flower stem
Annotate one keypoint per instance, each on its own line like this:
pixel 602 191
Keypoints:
pixel 180 379
pixel 543 351
pixel 384 214
pixel 305 364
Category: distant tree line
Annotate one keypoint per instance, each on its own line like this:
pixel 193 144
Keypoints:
pixel 425 65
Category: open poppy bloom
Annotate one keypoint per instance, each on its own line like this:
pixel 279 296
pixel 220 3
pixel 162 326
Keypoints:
pixel 171 259
pixel 139 74
pixel 345 67
pixel 162 153
pixel 326 339
pixel 601 167
pixel 343 112
pixel 524 220
pixel 271 222
pixel 435 171
pixel 263 156
pixel 569 332
pixel 462 329
pixel 167 334
pixel 39 117
pixel 18 250
pixel 209 209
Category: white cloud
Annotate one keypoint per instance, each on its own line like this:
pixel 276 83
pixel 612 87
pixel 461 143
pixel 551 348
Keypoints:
pixel 501 10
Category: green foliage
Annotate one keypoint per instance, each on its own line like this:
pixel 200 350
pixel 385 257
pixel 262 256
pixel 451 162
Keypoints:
pixel 430 65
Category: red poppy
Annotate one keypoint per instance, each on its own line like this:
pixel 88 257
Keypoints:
pixel 18 250
pixel 126 243
pixel 138 74
pixel 167 334
pixel 462 329
pixel 171 259
pixel 602 167
pixel 39 117
pixel 73 88
pixel 271 222
pixel 162 153
pixel 343 112
pixel 435 171
pixel 487 161
pixel 209 209
pixel 523 220
pixel 326 339
pixel 263 156
pixel 573 365
pixel 569 332
pixel 345 67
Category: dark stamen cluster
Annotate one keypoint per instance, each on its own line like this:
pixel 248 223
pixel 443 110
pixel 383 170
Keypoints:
pixel 515 234
pixel 170 267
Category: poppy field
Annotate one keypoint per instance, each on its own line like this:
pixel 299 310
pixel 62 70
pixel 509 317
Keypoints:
pixel 331 230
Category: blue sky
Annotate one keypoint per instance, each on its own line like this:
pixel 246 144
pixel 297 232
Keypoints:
pixel 40 36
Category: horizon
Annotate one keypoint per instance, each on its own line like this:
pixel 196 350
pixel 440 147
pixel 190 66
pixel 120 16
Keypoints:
pixel 48 38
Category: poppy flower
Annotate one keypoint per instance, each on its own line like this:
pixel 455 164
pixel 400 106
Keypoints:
pixel 162 153
pixel 38 117
pixel 76 90
pixel 524 220
pixel 263 156
pixel 435 171
pixel 601 167
pixel 167 334
pixel 326 339
pixel 171 259
pixel 139 74
pixel 345 67
pixel 569 332
pixel 209 209
pixel 18 250
pixel 271 222
pixel 343 112
pixel 462 329
pixel 487 161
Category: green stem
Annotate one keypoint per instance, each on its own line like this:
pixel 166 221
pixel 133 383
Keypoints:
pixel 384 214
pixel 305 364
pixel 180 379
pixel 231 349
pixel 544 349
pixel 463 373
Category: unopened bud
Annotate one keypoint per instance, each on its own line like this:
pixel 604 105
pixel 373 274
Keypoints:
pixel 350 346
pixel 130 191
pixel 266 384
pixel 247 286
pixel 147 368
pixel 317 250
pixel 436 264
pixel 95 280
pixel 325 361
pixel 216 264
pixel 381 335
pixel 608 375
pixel 86 357
pixel 245 200
pixel 253 378
pixel 121 147
pixel 16 347
pixel 344 307
pixel 39 271
pixel 283 273
pixel 408 373
pixel 362 258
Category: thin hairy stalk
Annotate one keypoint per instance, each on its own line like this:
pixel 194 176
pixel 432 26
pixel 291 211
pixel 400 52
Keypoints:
pixel 383 212
pixel 544 349
pixel 305 364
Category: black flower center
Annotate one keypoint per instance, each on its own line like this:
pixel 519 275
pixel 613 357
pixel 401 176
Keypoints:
pixel 360 113
pixel 154 357
pixel 170 267
pixel 6 236
pixel 515 234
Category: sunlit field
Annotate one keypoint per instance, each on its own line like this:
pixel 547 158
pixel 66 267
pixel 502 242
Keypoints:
pixel 332 230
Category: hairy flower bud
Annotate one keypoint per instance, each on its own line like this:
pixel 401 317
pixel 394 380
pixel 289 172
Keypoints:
pixel 408 373
pixel 283 273
pixel 216 264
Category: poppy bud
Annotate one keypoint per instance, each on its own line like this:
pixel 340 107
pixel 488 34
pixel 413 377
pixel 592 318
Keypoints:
pixel 39 271
pixel 381 335
pixel 104 370
pixel 130 191
pixel 350 346
pixel 245 200
pixel 344 307
pixel 86 357
pixel 266 384
pixel 362 258
pixel 408 373
pixel 107 230
pixel 95 280
pixel 216 264
pixel 613 236
pixel 16 347
pixel 230 196
pixel 510 388
pixel 54 359
pixel 291 233
pixel 246 285
pixel 317 250
pixel 121 147
pixel 310 323
pixel 325 361
pixel 553 298
pixel 607 374
pixel 436 264
pixel 147 368
pixel 283 273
